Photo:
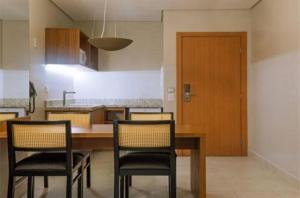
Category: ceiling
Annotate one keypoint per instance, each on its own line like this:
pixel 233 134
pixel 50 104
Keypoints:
pixel 142 10
pixel 14 10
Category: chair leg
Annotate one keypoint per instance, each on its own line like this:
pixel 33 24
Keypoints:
pixel 80 183
pixel 130 180
pixel 127 179
pixel 172 186
pixel 117 186
pixel 122 187
pixel 69 186
pixel 46 182
pixel 11 187
pixel 170 189
pixel 30 187
pixel 88 173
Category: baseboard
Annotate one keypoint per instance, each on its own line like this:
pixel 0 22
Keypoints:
pixel 276 169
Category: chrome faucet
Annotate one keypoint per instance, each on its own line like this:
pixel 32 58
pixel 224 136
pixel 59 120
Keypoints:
pixel 65 94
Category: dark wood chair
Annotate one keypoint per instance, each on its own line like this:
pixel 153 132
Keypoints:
pixel 51 142
pixel 152 152
pixel 147 116
pixel 83 120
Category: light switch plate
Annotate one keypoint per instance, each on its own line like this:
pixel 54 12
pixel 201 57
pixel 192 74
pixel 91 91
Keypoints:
pixel 171 94
pixel 35 45
pixel 171 90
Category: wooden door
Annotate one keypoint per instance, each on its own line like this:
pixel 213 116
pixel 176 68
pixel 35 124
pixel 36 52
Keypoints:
pixel 211 67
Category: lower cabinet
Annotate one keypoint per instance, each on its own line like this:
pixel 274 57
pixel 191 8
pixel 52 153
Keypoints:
pixel 114 113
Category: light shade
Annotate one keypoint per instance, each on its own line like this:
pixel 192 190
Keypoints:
pixel 110 43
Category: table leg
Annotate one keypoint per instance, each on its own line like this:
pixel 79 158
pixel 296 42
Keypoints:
pixel 198 169
pixel 3 169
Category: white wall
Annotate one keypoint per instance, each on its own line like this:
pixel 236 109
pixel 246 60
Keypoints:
pixel 145 53
pixel 120 85
pixel 14 59
pixel 43 14
pixel 15 45
pixel 16 84
pixel 1 43
pixel 1 86
pixel 276 45
pixel 60 78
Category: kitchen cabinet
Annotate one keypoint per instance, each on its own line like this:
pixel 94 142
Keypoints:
pixel 69 46
pixel 114 113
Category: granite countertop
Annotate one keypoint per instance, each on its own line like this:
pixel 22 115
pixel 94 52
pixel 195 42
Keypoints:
pixel 14 103
pixel 91 107
pixel 90 104
pixel 74 108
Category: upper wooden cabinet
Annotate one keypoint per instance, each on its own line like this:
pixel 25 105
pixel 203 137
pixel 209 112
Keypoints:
pixel 63 46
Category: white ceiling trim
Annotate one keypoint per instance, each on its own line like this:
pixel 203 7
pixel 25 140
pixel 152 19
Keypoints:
pixel 143 10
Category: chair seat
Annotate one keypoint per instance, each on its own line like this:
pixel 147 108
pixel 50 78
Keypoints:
pixel 145 161
pixel 49 161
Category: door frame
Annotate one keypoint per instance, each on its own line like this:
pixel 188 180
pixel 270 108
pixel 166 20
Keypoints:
pixel 179 87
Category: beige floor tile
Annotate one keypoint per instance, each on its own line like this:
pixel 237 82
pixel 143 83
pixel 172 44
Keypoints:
pixel 227 177
pixel 267 195
pixel 221 194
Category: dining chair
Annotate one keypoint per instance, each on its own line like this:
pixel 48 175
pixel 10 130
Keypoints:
pixel 8 115
pixel 149 116
pixel 153 146
pixel 77 120
pixel 51 142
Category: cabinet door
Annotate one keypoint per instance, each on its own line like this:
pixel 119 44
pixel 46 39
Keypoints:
pixel 62 46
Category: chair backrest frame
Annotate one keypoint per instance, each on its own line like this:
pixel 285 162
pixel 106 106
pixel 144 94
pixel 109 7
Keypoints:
pixel 170 149
pixel 12 149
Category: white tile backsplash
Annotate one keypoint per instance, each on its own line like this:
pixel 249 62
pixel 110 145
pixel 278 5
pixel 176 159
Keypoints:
pixel 15 84
pixel 118 85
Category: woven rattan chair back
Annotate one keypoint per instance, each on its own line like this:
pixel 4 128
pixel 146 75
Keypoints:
pixel 140 135
pixel 39 135
pixel 77 119
pixel 152 116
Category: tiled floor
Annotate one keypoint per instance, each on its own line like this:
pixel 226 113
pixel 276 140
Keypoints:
pixel 227 177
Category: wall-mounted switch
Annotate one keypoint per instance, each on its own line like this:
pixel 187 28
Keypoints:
pixel 171 94
pixel 35 44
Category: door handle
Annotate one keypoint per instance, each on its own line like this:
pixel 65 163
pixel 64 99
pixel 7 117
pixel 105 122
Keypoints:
pixel 187 92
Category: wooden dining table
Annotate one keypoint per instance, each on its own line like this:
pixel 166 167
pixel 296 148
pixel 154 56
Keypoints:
pixel 100 136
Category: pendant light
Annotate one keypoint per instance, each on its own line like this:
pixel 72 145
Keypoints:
pixel 109 43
